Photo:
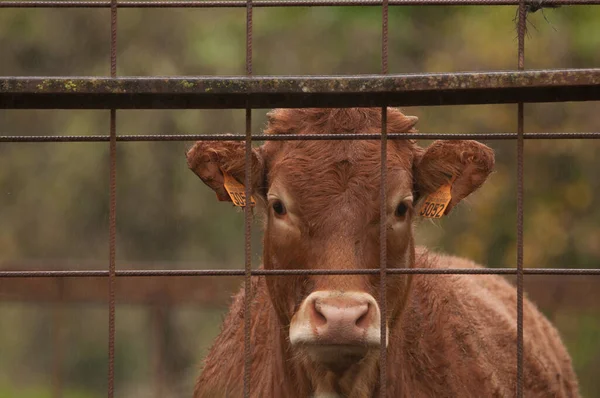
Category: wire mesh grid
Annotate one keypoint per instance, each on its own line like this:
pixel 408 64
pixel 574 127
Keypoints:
pixel 527 87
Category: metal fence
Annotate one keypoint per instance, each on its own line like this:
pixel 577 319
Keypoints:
pixel 250 92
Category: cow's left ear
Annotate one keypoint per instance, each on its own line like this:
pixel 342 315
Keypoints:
pixel 469 162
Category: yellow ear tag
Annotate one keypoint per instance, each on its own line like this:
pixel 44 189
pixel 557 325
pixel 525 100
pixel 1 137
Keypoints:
pixel 236 191
pixel 435 204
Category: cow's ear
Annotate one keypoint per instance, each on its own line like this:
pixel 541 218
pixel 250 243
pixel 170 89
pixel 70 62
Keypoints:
pixel 210 159
pixel 468 162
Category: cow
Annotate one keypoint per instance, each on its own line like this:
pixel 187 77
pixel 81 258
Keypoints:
pixel 320 336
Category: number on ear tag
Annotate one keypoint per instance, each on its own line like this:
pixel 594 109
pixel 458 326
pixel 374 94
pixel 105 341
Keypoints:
pixel 435 204
pixel 236 191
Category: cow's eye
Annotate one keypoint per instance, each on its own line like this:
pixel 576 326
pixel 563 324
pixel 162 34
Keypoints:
pixel 401 210
pixel 278 207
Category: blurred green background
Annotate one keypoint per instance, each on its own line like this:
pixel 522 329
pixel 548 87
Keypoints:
pixel 54 197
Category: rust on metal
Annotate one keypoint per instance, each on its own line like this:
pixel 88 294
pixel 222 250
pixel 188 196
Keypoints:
pixel 534 4
pixel 522 28
pixel 301 91
pixel 112 217
pixel 241 272
pixel 500 136
pixel 248 211
pixel 382 213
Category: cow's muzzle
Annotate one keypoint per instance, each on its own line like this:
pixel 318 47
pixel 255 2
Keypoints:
pixel 337 329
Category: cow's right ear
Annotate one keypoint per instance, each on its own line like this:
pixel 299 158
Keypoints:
pixel 209 159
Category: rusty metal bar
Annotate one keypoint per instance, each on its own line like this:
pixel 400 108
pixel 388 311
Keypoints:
pixel 112 222
pixel 383 214
pixel 300 91
pixel 299 137
pixel 248 213
pixel 522 26
pixel 282 3
pixel 280 272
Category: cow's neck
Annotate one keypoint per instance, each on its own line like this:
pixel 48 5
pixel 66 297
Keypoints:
pixel 362 381
pixel 289 378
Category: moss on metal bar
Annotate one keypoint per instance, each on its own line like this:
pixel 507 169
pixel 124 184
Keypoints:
pixel 293 91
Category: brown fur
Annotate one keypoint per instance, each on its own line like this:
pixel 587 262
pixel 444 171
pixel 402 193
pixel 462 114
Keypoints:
pixel 450 335
pixel 455 339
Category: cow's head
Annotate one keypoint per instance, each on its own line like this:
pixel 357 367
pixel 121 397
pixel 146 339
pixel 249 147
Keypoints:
pixel 321 201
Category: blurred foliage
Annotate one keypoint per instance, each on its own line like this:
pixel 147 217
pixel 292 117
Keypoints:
pixel 37 392
pixel 54 197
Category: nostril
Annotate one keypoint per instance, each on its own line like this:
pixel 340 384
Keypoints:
pixel 318 318
pixel 363 320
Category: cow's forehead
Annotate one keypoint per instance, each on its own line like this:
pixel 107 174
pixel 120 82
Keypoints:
pixel 323 175
pixel 343 159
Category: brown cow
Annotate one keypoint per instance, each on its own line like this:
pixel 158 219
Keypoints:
pixel 319 336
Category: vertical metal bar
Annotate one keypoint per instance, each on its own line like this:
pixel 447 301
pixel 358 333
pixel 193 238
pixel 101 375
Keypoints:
pixel 383 215
pixel 520 145
pixel 247 212
pixel 249 38
pixel 383 258
pixel 384 37
pixel 112 208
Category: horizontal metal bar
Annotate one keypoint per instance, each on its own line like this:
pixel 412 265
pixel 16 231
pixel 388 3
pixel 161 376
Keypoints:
pixel 299 91
pixel 263 272
pixel 296 137
pixel 281 3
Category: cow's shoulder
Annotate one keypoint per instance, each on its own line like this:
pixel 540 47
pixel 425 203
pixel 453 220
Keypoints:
pixel 467 324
